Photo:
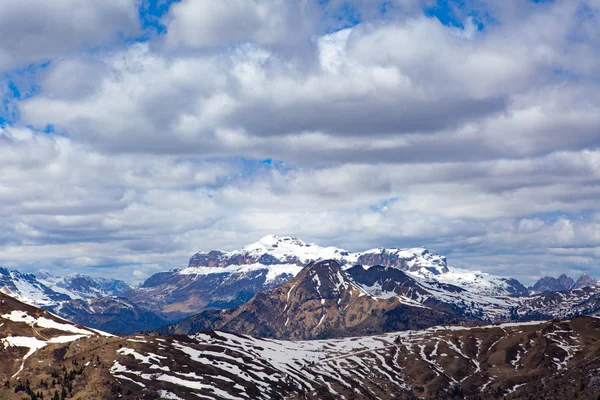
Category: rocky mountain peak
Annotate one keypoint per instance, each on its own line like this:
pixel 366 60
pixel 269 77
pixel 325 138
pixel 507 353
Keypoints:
pixel 551 284
pixel 585 281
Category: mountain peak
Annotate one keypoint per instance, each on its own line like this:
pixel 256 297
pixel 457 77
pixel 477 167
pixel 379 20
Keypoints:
pixel 585 281
pixel 274 241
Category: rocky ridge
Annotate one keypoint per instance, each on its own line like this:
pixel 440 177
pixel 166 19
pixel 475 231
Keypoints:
pixel 563 282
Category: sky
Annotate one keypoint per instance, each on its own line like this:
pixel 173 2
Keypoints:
pixel 134 133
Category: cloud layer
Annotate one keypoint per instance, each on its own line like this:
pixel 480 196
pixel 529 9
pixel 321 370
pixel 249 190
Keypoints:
pixel 379 126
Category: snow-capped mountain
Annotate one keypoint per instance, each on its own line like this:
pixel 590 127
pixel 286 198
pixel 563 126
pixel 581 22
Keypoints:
pixel 78 286
pixel 42 289
pixel 286 255
pixel 81 299
pixel 28 289
pixel 324 300
pixel 218 279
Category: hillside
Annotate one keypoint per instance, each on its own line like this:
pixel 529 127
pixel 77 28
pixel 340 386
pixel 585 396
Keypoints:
pixel 43 355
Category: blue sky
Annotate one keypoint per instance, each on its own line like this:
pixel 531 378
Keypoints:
pixel 136 133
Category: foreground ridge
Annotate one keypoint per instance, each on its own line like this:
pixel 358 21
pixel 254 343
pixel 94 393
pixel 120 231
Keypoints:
pixel 43 355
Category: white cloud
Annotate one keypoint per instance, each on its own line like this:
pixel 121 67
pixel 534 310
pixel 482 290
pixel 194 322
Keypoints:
pixel 398 131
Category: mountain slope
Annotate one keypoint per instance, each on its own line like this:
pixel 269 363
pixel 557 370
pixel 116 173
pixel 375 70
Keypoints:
pixel 549 360
pixel 43 355
pixel 25 329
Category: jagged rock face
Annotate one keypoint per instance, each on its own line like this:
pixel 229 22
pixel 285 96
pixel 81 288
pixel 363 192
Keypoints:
pixel 404 260
pixel 563 282
pixel 550 284
pixel 584 281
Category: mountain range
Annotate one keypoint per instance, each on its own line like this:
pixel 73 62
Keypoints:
pixel 326 301
pixel 413 284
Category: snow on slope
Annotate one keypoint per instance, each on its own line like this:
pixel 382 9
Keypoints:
pixel 228 366
pixel 41 331
pixel 285 256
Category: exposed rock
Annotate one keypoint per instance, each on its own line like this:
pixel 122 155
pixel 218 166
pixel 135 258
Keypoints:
pixel 550 284
pixel 584 281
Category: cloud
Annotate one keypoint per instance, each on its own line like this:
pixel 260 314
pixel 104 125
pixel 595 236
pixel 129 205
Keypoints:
pixel 34 31
pixel 477 139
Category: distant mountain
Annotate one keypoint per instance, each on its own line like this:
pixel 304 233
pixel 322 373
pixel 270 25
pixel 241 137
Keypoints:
pixel 324 301
pixel 27 288
pixel 218 279
pixel 81 299
pixel 550 284
pixel 110 314
pixel 78 286
pixel 585 281
pixel 563 282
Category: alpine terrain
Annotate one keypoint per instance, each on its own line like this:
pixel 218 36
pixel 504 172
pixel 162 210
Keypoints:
pixel 47 357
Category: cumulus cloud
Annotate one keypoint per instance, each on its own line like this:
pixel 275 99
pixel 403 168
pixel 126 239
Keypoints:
pixel 34 30
pixel 394 129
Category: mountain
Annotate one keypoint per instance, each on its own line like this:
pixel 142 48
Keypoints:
pixel 217 279
pixel 563 282
pixel 46 356
pixel 78 286
pixel 81 299
pixel 27 288
pixel 25 330
pixel 584 281
pixel 550 284
pixel 540 360
pixel 324 301
pixel 111 314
